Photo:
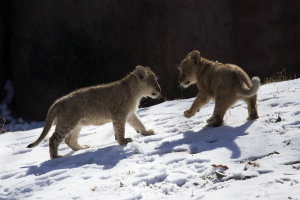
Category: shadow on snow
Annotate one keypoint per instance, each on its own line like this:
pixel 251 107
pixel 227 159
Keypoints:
pixel 109 156
pixel 103 158
pixel 208 139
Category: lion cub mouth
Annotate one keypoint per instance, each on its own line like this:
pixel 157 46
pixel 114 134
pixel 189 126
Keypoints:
pixel 155 95
pixel 186 84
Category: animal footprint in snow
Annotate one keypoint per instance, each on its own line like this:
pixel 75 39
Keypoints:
pixel 22 152
pixel 211 141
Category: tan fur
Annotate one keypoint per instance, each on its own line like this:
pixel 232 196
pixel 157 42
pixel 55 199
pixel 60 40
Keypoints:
pixel 115 102
pixel 223 83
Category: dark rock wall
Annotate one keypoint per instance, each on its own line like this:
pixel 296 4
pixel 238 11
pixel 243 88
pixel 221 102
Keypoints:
pixel 5 30
pixel 2 77
pixel 58 46
pixel 269 36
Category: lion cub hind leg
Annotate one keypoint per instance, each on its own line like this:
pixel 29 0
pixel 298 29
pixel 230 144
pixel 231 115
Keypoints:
pixel 72 139
pixel 136 123
pixel 221 107
pixel 61 131
pixel 54 142
pixel 119 128
pixel 252 107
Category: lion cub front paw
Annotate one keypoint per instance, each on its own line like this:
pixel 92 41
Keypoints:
pixel 86 146
pixel 148 132
pixel 188 113
pixel 54 157
pixel 209 119
pixel 124 141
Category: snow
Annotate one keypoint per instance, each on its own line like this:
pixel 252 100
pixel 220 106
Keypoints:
pixel 262 156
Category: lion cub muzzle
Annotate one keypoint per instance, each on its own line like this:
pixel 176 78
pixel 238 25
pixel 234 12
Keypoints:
pixel 156 93
pixel 185 84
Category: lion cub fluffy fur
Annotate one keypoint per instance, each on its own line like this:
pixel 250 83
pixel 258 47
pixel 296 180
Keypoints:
pixel 115 102
pixel 223 83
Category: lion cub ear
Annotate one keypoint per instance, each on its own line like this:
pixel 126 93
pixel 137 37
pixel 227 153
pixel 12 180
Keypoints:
pixel 195 57
pixel 141 73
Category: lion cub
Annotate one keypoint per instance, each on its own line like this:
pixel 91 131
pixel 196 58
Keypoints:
pixel 115 102
pixel 223 83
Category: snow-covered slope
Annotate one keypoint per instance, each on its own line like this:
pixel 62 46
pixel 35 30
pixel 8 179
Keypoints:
pixel 262 157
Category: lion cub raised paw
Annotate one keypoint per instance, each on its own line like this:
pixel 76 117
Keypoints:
pixel 149 132
pixel 115 102
pixel 223 83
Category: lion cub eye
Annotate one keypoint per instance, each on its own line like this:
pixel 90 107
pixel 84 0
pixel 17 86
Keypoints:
pixel 183 72
pixel 153 81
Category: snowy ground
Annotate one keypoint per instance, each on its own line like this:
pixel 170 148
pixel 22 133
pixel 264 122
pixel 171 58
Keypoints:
pixel 262 157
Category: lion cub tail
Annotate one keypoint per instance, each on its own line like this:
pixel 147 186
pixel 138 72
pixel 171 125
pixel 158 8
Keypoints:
pixel 249 92
pixel 51 116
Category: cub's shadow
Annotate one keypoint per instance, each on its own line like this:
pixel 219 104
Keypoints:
pixel 107 157
pixel 208 139
pixel 103 158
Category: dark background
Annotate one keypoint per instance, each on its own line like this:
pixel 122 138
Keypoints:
pixel 49 48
